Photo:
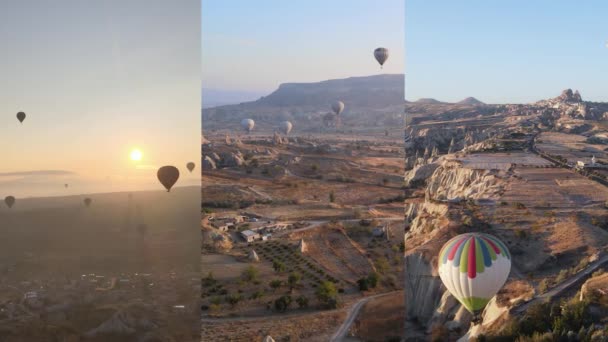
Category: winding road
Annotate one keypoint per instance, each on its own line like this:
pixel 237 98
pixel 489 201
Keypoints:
pixel 563 285
pixel 353 312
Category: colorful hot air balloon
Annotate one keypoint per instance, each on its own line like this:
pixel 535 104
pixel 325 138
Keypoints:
pixel 190 166
pixel 381 55
pixel 168 175
pixel 87 201
pixel 21 116
pixel 9 200
pixel 286 127
pixel 247 124
pixel 473 267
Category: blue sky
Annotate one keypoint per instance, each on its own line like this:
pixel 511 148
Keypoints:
pixel 505 51
pixel 256 45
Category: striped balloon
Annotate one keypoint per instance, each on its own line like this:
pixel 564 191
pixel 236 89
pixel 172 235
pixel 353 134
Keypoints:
pixel 473 267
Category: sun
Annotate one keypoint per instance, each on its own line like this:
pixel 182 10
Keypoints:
pixel 136 155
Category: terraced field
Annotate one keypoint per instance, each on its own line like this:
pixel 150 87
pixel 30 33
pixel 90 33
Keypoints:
pixel 331 247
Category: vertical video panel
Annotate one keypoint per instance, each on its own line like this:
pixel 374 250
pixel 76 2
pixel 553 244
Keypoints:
pixel 302 210
pixel 506 171
pixel 96 100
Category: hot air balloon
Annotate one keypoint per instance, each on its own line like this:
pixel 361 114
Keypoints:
pixel 21 116
pixel 190 166
pixel 65 185
pixel 381 55
pixel 473 267
pixel 247 124
pixel 168 175
pixel 337 107
pixel 87 201
pixel 286 127
pixel 9 200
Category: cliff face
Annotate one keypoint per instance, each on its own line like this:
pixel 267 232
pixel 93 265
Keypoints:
pixel 453 183
pixel 428 304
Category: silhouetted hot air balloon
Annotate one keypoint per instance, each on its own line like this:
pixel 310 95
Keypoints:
pixel 286 127
pixel 9 200
pixel 190 166
pixel 168 175
pixel 21 116
pixel 473 267
pixel 247 124
pixel 381 55
pixel 65 185
pixel 87 201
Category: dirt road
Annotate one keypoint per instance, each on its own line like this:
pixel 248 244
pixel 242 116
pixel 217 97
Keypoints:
pixel 353 312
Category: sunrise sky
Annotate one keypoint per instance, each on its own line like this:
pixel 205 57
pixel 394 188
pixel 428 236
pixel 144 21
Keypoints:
pixel 97 80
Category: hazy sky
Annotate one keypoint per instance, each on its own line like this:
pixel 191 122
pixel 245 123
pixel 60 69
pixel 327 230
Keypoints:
pixel 97 79
pixel 505 51
pixel 256 45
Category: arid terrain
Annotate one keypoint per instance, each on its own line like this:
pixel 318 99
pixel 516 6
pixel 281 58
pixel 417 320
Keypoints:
pixel 322 199
pixel 319 200
pixel 122 269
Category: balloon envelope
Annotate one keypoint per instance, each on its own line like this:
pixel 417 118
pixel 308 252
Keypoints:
pixel 381 55
pixel 168 175
pixel 190 166
pixel 9 200
pixel 87 201
pixel 247 124
pixel 473 267
pixel 337 107
pixel 286 127
pixel 21 116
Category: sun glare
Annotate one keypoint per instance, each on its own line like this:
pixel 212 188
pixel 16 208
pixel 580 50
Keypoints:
pixel 136 155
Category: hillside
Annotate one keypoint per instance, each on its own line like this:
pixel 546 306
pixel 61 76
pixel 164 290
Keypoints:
pixel 304 104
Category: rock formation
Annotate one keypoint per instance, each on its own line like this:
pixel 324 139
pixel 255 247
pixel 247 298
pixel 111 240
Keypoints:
pixel 208 163
pixel 253 256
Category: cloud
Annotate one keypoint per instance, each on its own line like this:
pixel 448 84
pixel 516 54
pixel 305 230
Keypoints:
pixel 37 173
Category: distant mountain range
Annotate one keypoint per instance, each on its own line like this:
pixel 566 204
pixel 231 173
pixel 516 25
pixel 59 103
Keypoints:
pixel 368 91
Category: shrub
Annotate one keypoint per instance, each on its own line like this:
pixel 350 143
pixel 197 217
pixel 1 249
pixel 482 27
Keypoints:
pixel 233 300
pixel 250 273
pixel 543 286
pixel 326 294
pixel 363 284
pixel 282 303
pixel 302 302
pixel 275 284
pixel 294 279
pixel 372 279
pixel 382 265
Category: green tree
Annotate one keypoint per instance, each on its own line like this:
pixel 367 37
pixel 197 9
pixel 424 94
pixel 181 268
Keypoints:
pixel 233 299
pixel 327 294
pixel 372 279
pixel 294 279
pixel 282 303
pixel 275 284
pixel 250 273
pixel 382 265
pixel 278 266
pixel 363 284
pixel 302 302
